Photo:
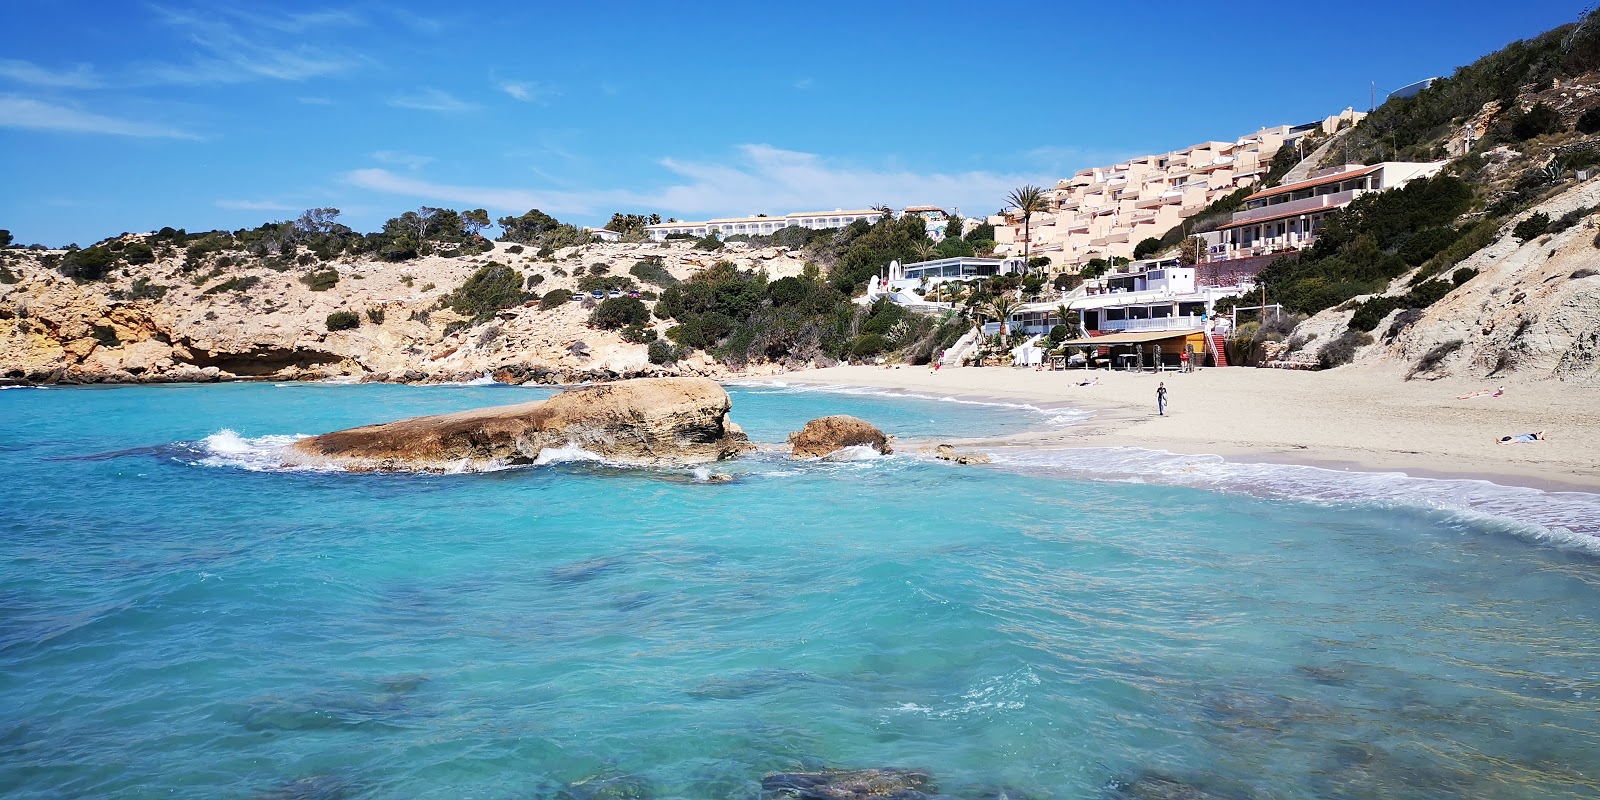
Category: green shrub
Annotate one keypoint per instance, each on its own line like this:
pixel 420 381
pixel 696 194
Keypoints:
pixel 1463 275
pixel 554 298
pixel 242 283
pixel 638 334
pixel 90 264
pixel 619 312
pixel 492 287
pixel 660 352
pixel 651 271
pixel 1532 227
pixel 534 280
pixel 1342 349
pixel 514 249
pixel 321 281
pixel 1146 248
pixel 7 276
pixel 375 316
pixel 708 242
pixel 870 344
pixel 1589 121
pixel 343 321
pixel 138 253
pixel 1536 121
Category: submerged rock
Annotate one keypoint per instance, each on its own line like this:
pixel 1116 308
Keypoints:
pixel 856 784
pixel 1153 786
pixel 608 787
pixel 645 422
pixel 830 434
pixel 945 452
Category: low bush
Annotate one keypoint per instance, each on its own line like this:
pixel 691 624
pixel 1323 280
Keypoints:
pixel 491 288
pixel 1463 275
pixel 242 283
pixel 1342 349
pixel 638 334
pixel 375 316
pixel 1589 121
pixel 1536 121
pixel 708 242
pixel 651 271
pixel 660 352
pixel 514 249
pixel 619 312
pixel 1532 227
pixel 1431 359
pixel 343 321
pixel 554 298
pixel 7 276
pixel 321 281
pixel 534 280
pixel 90 264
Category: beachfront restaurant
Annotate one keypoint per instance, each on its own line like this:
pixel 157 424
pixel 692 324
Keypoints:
pixel 1142 350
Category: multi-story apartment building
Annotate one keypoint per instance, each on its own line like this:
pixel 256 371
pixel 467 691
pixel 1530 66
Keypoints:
pixel 1103 212
pixel 1288 217
pixel 763 225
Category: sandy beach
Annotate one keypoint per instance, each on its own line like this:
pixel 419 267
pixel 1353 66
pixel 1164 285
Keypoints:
pixel 1354 418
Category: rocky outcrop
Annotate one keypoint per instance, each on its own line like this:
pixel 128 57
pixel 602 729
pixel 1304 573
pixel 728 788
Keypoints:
pixel 857 784
pixel 646 422
pixel 826 435
pixel 946 452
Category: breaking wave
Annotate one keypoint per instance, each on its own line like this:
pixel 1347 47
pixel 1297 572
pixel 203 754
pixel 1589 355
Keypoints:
pixel 1564 519
pixel 226 448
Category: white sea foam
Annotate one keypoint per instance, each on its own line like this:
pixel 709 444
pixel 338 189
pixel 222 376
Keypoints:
pixel 226 448
pixel 566 454
pixel 1564 519
pixel 485 379
pixel 856 452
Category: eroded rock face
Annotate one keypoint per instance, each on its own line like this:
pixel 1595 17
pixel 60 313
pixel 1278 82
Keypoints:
pixel 648 422
pixel 830 434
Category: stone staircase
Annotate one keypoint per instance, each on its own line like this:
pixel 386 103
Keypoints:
pixel 958 351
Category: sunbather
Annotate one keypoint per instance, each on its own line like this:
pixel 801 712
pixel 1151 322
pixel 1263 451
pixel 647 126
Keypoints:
pixel 1519 438
pixel 1496 392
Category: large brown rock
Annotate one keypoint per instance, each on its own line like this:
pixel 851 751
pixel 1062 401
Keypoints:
pixel 829 434
pixel 648 422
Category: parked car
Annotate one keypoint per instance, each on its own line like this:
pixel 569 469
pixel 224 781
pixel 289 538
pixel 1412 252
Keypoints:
pixel 616 292
pixel 577 297
pixel 598 295
pixel 634 293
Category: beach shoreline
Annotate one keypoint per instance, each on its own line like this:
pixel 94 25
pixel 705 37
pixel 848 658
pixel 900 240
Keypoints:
pixel 1355 419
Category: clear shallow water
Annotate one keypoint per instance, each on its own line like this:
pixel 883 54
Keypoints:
pixel 173 629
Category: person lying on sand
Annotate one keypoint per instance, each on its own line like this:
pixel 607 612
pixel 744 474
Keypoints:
pixel 1481 392
pixel 1522 437
pixel 1089 382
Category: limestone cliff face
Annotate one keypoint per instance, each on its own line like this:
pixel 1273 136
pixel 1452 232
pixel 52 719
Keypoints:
pixel 268 324
pixel 649 422
pixel 1532 310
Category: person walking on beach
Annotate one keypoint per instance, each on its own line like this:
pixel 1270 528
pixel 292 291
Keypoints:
pixel 1161 398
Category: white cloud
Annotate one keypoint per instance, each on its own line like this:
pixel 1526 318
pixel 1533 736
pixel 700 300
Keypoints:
pixel 525 91
pixel 80 77
pixel 235 54
pixel 30 114
pixel 759 178
pixel 803 84
pixel 431 100
pixel 407 160
pixel 255 205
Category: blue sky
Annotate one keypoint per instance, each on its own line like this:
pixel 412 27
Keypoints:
pixel 127 116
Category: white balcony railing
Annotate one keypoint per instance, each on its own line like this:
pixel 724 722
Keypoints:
pixel 1301 206
pixel 1156 324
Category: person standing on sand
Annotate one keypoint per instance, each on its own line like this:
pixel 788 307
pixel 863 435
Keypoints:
pixel 1161 398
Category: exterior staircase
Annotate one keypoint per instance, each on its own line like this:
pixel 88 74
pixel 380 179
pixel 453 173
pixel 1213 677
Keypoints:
pixel 1219 349
pixel 958 351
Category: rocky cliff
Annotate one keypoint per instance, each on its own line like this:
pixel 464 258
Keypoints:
pixel 168 321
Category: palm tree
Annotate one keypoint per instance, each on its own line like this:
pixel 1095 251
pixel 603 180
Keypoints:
pixel 1027 200
pixel 1001 307
pixel 1068 316
pixel 924 250
pixel 884 211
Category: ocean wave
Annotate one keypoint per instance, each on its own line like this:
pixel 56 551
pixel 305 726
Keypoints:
pixel 226 448
pixel 1563 519
pixel 485 379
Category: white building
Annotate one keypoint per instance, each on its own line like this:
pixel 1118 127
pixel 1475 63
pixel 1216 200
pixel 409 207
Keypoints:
pixel 1289 217
pixel 902 281
pixel 762 225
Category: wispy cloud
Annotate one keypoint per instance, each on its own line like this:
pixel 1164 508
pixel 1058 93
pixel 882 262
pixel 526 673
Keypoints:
pixel 256 205
pixel 31 114
pixel 803 84
pixel 757 178
pixel 525 91
pixel 408 160
pixel 81 76
pixel 237 46
pixel 431 100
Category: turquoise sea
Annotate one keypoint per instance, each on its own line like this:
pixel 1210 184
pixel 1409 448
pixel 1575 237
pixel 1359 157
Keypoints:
pixel 181 619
